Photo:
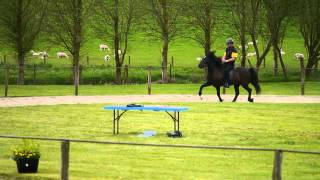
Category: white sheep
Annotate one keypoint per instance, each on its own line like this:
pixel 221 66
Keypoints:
pixel 246 47
pixel 251 54
pixel 104 47
pixel 251 43
pixel 299 56
pixel 282 52
pixel 107 58
pixel 35 53
pixel 119 52
pixel 62 55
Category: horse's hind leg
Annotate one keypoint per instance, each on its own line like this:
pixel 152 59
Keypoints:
pixel 246 87
pixel 218 94
pixel 202 86
pixel 236 90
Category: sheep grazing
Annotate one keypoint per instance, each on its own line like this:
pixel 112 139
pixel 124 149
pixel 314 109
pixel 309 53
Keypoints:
pixel 119 52
pixel 299 56
pixel 35 53
pixel 104 47
pixel 251 43
pixel 62 55
pixel 107 58
pixel 246 47
pixel 251 54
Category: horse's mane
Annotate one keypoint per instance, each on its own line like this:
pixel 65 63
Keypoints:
pixel 213 58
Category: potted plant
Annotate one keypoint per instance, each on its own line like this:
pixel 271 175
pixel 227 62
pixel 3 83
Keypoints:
pixel 27 157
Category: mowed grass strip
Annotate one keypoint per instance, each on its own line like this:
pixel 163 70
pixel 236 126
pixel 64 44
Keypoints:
pixel 279 88
pixel 288 126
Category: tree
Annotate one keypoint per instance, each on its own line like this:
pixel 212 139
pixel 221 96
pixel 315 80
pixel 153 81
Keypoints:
pixel 202 17
pixel 20 25
pixel 276 12
pixel 165 13
pixel 238 9
pixel 308 19
pixel 66 26
pixel 118 18
pixel 256 28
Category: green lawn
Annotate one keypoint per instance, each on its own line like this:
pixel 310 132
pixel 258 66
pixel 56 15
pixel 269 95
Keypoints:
pixel 288 126
pixel 280 88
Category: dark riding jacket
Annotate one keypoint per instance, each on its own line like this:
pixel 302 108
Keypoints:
pixel 231 52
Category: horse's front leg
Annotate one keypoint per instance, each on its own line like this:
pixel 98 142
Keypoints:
pixel 218 94
pixel 236 91
pixel 201 87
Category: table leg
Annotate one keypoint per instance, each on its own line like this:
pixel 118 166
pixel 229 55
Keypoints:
pixel 118 118
pixel 175 121
pixel 178 121
pixel 114 122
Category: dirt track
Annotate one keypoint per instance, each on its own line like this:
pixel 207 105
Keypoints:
pixel 125 99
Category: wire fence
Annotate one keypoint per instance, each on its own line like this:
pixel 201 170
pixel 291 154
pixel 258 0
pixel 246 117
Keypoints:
pixel 65 151
pixel 47 74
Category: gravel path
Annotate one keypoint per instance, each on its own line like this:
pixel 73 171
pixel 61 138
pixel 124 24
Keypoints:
pixel 126 99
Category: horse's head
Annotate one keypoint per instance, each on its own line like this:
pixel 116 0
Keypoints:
pixel 210 58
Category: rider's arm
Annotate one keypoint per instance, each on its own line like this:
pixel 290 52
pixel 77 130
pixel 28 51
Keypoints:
pixel 234 56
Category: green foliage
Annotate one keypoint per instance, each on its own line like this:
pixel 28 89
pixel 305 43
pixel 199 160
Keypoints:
pixel 26 150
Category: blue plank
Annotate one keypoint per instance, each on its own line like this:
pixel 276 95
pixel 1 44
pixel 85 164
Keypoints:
pixel 147 108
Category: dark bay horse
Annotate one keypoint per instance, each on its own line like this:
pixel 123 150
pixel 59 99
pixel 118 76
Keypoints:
pixel 238 76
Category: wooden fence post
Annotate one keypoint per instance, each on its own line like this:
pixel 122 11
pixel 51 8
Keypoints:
pixel 4 59
pixel 6 80
pixel 87 60
pixel 303 75
pixel 126 73
pixel 170 71
pixel 34 73
pixel 149 80
pixel 277 165
pixel 65 149
pixel 172 61
pixel 129 60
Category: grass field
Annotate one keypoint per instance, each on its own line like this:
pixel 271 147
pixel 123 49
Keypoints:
pixel 283 88
pixel 241 124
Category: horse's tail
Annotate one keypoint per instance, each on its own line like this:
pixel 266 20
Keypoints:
pixel 255 80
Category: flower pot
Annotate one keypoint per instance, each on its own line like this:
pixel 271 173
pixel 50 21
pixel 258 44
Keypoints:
pixel 27 165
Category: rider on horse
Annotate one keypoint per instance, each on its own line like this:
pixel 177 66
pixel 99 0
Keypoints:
pixel 228 59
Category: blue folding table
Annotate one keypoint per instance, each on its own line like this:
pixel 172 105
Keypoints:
pixel 173 112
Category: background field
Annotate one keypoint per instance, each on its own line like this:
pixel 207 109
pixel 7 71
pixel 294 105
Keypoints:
pixel 247 125
pixel 271 88
pixel 145 51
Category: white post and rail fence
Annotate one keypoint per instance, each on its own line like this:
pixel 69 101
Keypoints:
pixel 66 143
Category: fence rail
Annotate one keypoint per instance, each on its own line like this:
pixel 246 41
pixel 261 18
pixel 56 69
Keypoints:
pixel 43 74
pixel 65 151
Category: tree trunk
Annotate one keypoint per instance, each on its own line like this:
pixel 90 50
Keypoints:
pixel 20 79
pixel 283 66
pixel 275 61
pixel 207 44
pixel 19 43
pixel 77 45
pixel 310 65
pixel 117 42
pixel 165 47
pixel 243 52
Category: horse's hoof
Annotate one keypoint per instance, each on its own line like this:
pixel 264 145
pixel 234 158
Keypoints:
pixel 234 101
pixel 221 100
pixel 251 100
